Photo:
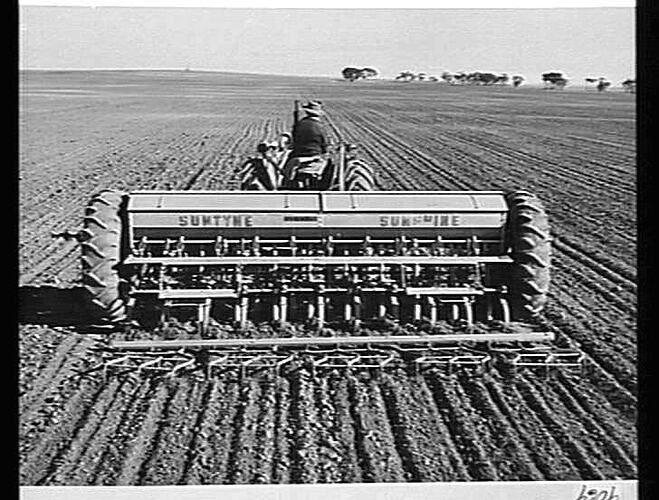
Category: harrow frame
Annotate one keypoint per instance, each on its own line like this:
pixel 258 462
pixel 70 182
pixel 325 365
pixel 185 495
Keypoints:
pixel 546 360
pixel 244 361
pixel 449 353
pixel 170 363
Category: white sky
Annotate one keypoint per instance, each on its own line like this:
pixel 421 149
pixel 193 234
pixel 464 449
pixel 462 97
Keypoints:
pixel 382 4
pixel 313 42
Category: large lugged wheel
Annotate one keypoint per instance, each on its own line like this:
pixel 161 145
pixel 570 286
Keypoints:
pixel 359 176
pixel 529 239
pixel 101 253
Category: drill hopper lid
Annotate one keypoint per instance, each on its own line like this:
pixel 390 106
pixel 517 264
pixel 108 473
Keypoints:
pixel 223 201
pixel 315 201
pixel 414 201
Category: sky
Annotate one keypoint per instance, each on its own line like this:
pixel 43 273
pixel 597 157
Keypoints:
pixel 584 42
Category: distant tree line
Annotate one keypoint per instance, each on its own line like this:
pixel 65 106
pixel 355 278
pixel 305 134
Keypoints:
pixel 409 76
pixel 554 80
pixel 463 78
pixel 558 80
pixel 600 83
pixel 629 85
pixel 551 79
pixel 480 78
pixel 353 74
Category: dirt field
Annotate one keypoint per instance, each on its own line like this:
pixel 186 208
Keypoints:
pixel 81 132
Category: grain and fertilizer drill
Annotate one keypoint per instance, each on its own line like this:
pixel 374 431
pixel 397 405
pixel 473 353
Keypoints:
pixel 331 251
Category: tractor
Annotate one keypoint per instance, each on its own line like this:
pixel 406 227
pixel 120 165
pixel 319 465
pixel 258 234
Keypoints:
pixel 272 168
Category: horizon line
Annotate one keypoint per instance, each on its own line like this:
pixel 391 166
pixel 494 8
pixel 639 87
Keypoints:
pixel 203 70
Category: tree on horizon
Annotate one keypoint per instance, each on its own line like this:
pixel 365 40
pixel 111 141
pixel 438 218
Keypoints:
pixel 352 74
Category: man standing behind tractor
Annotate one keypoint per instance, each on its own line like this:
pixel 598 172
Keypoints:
pixel 306 162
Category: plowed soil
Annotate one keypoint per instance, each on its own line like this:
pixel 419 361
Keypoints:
pixel 81 132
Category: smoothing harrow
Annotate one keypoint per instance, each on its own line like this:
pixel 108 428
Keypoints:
pixel 137 363
pixel 543 359
pixel 356 359
pixel 244 361
pixel 327 251
pixel 452 359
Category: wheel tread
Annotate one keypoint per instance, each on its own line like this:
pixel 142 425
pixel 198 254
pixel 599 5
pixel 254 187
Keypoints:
pixel 528 237
pixel 359 176
pixel 101 251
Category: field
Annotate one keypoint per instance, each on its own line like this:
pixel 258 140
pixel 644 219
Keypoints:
pixel 84 131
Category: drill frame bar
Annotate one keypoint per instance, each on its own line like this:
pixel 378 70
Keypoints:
pixel 228 293
pixel 192 293
pixel 302 239
pixel 138 345
pixel 356 260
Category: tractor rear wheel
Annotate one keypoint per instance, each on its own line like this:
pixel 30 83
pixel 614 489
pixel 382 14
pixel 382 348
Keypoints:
pixel 359 176
pixel 529 239
pixel 101 253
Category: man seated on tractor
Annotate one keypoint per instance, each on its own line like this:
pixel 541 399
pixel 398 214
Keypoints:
pixel 268 166
pixel 307 162
pixel 284 142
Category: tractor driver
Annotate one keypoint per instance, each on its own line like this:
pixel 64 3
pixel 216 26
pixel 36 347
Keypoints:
pixel 307 161
pixel 308 133
pixel 284 142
